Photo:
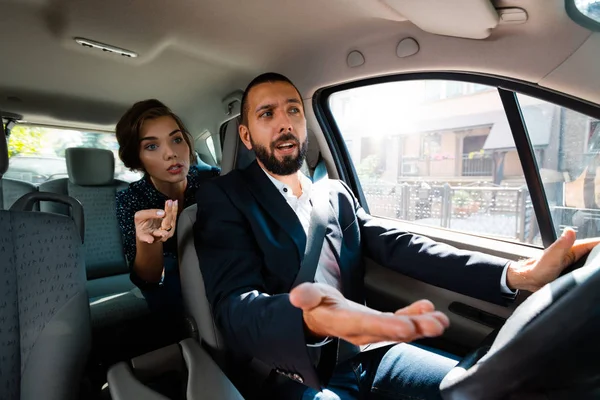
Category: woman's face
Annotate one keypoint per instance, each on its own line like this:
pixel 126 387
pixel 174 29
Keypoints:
pixel 164 153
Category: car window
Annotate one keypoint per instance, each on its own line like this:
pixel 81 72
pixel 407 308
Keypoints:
pixel 438 153
pixel 37 154
pixel 567 147
pixel 589 8
pixel 211 147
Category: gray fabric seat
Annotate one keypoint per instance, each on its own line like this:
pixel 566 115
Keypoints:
pixel 113 296
pixel 195 302
pixel 13 189
pixel 45 335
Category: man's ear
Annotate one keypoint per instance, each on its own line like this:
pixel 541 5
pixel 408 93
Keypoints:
pixel 245 136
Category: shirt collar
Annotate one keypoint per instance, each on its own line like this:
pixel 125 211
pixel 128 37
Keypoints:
pixel 286 190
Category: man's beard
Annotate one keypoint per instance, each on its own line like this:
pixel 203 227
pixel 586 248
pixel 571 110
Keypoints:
pixel 289 164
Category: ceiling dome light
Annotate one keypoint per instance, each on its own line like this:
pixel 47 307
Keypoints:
pixel 105 47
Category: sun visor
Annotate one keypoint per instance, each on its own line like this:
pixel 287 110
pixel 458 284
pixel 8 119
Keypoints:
pixel 471 19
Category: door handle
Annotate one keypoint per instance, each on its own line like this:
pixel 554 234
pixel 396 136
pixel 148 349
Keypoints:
pixel 477 315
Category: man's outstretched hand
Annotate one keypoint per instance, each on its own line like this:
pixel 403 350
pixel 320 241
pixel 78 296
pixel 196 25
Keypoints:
pixel 327 313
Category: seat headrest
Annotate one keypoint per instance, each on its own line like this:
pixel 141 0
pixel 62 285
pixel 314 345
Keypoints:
pixel 230 146
pixel 90 167
pixel 313 153
pixel 244 157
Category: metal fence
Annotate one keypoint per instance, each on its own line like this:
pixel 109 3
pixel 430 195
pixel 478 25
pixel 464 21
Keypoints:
pixel 504 212
pixel 477 166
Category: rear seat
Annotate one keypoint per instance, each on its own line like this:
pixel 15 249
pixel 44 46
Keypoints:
pixel 91 181
pixel 44 317
pixel 113 296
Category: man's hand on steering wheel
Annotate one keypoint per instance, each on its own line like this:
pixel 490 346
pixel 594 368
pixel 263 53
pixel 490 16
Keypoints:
pixel 534 273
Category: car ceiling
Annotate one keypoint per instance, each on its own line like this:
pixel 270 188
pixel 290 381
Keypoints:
pixel 194 53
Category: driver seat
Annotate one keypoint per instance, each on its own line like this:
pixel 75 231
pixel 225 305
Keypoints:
pixel 547 349
pixel 196 304
pixel 198 309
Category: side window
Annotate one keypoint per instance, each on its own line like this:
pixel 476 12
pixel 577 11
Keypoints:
pixel 37 154
pixel 205 150
pixel 567 149
pixel 211 147
pixel 437 153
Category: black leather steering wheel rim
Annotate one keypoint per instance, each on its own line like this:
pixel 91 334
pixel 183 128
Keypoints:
pixel 551 344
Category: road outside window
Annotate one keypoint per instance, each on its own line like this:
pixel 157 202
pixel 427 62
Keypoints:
pixel 441 153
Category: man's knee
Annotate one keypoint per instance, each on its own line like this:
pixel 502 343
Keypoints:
pixel 412 371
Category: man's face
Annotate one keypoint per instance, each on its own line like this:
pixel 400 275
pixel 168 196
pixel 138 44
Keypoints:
pixel 276 129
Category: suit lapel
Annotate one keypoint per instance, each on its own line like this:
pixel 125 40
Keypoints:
pixel 271 200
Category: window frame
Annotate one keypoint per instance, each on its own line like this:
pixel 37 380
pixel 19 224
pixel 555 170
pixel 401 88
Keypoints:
pixel 507 89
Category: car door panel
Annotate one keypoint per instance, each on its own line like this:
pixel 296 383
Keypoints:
pixel 471 320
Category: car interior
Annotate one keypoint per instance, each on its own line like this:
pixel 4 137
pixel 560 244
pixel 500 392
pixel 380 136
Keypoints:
pixel 472 122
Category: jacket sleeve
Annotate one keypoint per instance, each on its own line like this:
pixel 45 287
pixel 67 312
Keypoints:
pixel 254 323
pixel 470 273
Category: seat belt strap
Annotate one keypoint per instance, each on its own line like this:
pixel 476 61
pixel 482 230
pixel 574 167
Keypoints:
pixel 316 233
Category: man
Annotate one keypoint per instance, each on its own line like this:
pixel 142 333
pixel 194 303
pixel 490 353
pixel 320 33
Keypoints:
pixel 251 234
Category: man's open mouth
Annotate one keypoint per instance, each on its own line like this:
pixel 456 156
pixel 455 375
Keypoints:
pixel 286 146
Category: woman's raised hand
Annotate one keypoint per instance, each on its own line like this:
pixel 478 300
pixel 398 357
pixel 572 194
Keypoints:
pixel 156 225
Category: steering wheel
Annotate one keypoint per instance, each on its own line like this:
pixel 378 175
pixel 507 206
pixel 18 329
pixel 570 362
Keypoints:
pixel 549 348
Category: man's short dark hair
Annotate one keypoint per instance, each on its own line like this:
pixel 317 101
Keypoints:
pixel 268 77
pixel 130 125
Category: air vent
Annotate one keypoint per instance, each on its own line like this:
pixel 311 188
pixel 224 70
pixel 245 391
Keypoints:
pixel 105 47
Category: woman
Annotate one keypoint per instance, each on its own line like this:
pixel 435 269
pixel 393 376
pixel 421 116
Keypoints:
pixel 153 140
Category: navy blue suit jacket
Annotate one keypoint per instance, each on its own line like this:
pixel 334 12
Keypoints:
pixel 250 244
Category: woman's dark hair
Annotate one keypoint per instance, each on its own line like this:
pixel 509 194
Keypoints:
pixel 129 127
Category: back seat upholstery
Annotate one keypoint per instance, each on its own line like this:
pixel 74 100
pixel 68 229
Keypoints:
pixel 91 181
pixel 44 315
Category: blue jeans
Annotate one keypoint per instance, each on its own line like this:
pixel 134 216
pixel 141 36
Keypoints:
pixel 402 371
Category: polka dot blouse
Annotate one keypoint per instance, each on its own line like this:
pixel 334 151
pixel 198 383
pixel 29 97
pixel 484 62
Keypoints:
pixel 142 195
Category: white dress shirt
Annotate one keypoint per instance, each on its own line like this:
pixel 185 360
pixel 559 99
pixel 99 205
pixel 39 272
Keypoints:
pixel 328 270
